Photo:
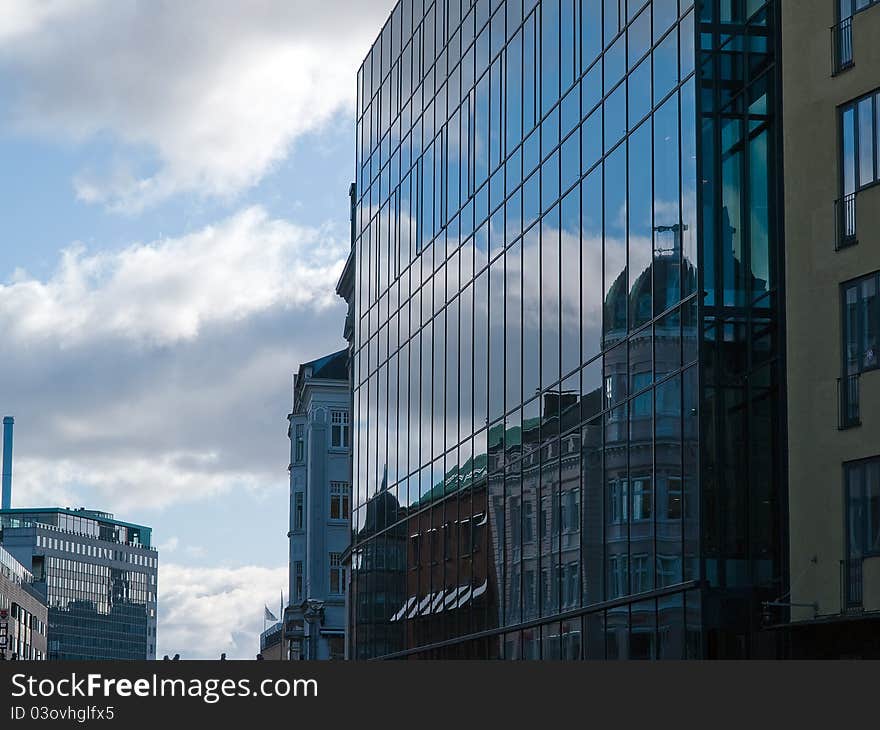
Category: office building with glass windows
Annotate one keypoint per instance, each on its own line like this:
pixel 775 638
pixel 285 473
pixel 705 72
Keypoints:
pixel 831 84
pixel 567 333
pixel 97 575
pixel 320 509
pixel 23 619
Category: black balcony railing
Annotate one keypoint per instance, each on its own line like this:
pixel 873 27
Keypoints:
pixel 842 46
pixel 851 585
pixel 845 222
pixel 849 414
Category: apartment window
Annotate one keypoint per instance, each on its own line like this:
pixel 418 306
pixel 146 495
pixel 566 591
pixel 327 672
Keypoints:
pixel 298 580
pixel 298 510
pixel 641 570
pixel 528 522
pixel 337 574
pixel 336 647
pixel 673 498
pixel 641 488
pixel 617 501
pixel 863 507
pixel 860 142
pixel 340 500
pixel 848 8
pixel 339 429
pixel 861 326
pixel 300 442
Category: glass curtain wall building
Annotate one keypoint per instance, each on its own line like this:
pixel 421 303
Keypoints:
pixel 97 575
pixel 566 350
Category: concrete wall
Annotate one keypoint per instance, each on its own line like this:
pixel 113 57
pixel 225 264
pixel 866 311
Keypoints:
pixel 814 272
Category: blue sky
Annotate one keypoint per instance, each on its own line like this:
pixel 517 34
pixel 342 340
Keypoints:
pixel 174 200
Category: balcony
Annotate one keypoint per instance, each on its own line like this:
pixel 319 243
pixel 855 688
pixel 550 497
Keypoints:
pixel 851 585
pixel 845 222
pixel 849 415
pixel 842 46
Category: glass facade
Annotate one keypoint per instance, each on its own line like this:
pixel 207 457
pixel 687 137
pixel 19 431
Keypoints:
pixel 98 577
pixel 545 407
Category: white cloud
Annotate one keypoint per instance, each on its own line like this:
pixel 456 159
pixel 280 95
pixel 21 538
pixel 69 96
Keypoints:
pixel 204 612
pixel 166 291
pixel 127 483
pixel 170 545
pixel 204 95
pixel 160 374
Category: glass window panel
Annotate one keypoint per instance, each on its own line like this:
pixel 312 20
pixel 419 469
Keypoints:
pixel 665 14
pixel 612 20
pixel 639 206
pixel 550 298
pixel 549 54
pixel 639 92
pixel 615 319
pixel 849 151
pixel 591 31
pixel 481 354
pixel 667 221
pixel 591 264
pixel 496 367
pixel 615 117
pixel 514 96
pixel 570 257
pixel 571 161
pixel 866 141
pixel 759 224
pixel 550 133
pixel 550 181
pixel 614 63
pixel 642 640
pixel 688 229
pixel 531 290
pixel 639 36
pixel 687 55
pixel 570 111
pixel 514 296
pixel 591 140
pixel 665 66
pixel 591 89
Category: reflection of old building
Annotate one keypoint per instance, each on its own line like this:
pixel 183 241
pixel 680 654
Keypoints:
pixel 23 617
pixel 98 576
pixel 566 381
pixel 320 508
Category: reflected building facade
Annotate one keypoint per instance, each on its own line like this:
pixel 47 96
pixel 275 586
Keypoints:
pixel 97 575
pixel 566 351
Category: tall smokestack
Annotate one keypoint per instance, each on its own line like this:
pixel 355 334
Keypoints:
pixel 8 424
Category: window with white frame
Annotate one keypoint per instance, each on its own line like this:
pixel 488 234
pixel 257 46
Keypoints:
pixel 340 500
pixel 339 429
pixel 298 510
pixel 300 442
pixel 298 580
pixel 337 574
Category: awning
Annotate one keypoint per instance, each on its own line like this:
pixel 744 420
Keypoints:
pixel 445 600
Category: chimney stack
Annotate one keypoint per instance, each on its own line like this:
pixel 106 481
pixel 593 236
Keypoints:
pixel 8 424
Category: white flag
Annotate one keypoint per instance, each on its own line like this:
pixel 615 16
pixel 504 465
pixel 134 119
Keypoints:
pixel 269 615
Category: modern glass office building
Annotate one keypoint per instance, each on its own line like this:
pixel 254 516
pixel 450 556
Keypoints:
pixel 97 575
pixel 568 363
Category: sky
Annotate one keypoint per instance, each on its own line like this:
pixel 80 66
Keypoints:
pixel 173 192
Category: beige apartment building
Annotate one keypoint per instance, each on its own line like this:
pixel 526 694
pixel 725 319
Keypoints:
pixel 831 91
